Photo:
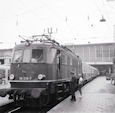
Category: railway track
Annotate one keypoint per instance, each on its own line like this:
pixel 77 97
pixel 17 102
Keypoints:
pixel 12 109
pixel 27 110
pixel 7 107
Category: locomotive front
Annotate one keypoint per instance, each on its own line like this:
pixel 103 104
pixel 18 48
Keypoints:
pixel 31 71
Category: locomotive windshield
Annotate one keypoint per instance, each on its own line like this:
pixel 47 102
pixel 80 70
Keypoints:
pixel 28 55
pixel 17 56
pixel 37 55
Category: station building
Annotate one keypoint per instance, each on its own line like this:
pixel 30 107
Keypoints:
pixel 98 55
pixel 5 56
pixel 5 60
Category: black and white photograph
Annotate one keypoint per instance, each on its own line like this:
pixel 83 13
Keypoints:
pixel 57 56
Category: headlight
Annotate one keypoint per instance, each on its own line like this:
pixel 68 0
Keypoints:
pixel 11 77
pixel 41 76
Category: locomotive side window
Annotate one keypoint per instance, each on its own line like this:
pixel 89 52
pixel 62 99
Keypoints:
pixel 70 61
pixel 37 55
pixel 64 59
pixel 17 56
pixel 51 53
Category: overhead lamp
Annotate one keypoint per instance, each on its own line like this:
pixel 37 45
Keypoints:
pixel 102 19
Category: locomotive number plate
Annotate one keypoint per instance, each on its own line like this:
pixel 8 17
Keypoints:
pixel 25 78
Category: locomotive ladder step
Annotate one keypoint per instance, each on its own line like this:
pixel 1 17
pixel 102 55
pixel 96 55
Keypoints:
pixel 59 94
pixel 60 91
pixel 60 98
pixel 60 84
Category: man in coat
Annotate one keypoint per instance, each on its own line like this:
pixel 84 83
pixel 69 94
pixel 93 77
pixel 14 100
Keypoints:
pixel 74 81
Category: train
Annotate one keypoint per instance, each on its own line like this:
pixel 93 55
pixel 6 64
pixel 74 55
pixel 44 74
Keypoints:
pixel 89 72
pixel 41 69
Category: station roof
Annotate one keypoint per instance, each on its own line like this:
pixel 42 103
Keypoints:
pixel 92 44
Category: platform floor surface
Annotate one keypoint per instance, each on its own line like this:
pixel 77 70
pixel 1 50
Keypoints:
pixel 98 97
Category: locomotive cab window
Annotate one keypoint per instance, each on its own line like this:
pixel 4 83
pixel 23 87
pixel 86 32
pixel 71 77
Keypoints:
pixel 37 55
pixel 17 56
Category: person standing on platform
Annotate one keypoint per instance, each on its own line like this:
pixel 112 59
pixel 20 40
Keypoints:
pixel 73 86
pixel 80 84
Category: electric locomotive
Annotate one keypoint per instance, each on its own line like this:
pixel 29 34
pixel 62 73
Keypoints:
pixel 41 69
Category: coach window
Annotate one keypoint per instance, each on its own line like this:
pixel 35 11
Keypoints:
pixel 37 55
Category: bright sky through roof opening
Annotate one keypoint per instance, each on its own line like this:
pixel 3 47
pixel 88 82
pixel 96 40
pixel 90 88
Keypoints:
pixel 72 21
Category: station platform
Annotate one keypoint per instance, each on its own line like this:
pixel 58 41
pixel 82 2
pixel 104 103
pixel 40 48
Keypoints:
pixel 98 97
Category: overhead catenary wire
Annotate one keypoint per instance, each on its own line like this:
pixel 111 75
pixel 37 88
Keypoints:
pixel 63 20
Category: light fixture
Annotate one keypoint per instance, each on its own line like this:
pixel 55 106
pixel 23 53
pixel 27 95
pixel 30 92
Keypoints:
pixel 11 77
pixel 41 76
pixel 102 19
